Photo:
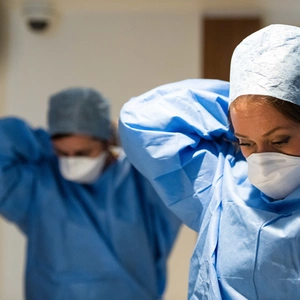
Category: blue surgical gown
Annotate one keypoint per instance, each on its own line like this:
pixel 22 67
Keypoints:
pixel 109 240
pixel 248 245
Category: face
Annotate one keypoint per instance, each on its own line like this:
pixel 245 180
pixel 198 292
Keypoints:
pixel 78 145
pixel 260 127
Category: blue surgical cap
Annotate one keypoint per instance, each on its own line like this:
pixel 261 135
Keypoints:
pixel 79 111
pixel 267 62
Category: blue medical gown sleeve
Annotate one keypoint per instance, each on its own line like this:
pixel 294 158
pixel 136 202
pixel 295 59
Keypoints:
pixel 22 149
pixel 173 135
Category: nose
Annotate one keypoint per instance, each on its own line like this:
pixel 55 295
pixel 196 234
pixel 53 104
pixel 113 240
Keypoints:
pixel 264 147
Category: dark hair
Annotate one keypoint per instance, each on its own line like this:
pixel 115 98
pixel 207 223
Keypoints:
pixel 60 136
pixel 286 108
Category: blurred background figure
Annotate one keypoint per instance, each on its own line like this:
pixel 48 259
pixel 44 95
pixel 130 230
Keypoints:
pixel 95 227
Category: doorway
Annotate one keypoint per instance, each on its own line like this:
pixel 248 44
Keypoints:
pixel 221 36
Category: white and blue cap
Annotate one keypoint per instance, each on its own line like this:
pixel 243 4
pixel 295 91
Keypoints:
pixel 79 111
pixel 267 63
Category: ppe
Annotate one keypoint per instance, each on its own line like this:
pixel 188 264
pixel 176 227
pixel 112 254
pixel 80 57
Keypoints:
pixel 79 111
pixel 82 169
pixel 275 174
pixel 74 231
pixel 267 63
pixel 178 136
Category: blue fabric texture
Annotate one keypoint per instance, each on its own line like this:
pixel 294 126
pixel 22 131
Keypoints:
pixel 108 240
pixel 178 136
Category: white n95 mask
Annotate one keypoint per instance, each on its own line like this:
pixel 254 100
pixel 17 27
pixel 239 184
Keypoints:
pixel 275 174
pixel 82 169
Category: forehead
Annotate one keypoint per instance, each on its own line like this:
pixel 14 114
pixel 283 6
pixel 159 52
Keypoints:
pixel 252 105
pixel 256 113
pixel 75 141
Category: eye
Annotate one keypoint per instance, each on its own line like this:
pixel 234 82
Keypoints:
pixel 82 153
pixel 281 142
pixel 60 153
pixel 245 144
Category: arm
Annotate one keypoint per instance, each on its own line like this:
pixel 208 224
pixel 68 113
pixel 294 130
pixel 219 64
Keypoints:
pixel 21 151
pixel 173 135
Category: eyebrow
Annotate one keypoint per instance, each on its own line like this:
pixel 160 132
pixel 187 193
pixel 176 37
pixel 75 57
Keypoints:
pixel 264 135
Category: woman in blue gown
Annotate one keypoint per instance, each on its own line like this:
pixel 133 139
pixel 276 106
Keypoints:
pixel 236 180
pixel 95 227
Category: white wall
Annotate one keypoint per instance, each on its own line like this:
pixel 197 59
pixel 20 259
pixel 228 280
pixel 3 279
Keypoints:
pixel 120 54
pixel 121 48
